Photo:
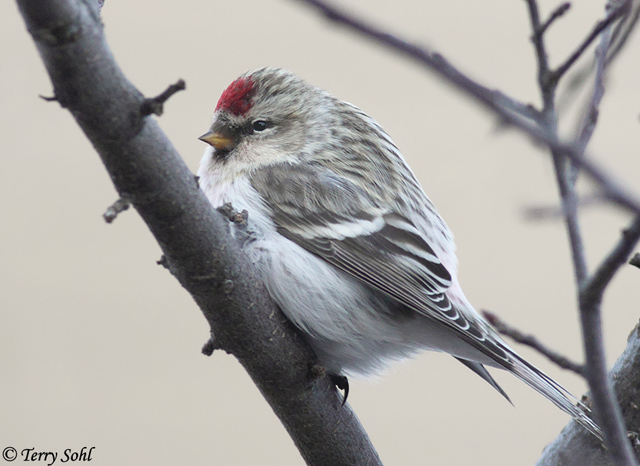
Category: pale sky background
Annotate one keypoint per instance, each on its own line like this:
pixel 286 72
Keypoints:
pixel 99 346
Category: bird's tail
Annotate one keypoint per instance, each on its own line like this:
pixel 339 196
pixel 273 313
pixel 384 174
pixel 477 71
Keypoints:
pixel 551 390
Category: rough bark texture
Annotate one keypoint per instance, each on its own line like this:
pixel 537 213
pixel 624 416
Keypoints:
pixel 200 252
pixel 576 447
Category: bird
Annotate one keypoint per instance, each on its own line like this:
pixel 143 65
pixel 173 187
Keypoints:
pixel 344 237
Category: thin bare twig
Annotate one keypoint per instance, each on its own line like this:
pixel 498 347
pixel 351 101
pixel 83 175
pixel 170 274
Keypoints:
pixel 595 369
pixel 487 97
pixel 589 123
pixel 537 37
pixel 593 289
pixel 619 38
pixel 590 117
pixel 155 105
pixel 532 342
pixel 615 14
pixel 623 31
pixel 114 209
pixel 554 212
pixel 568 196
pixel 569 200
pixel 555 14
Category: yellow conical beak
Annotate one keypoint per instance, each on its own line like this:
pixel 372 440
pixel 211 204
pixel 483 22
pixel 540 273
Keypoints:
pixel 218 141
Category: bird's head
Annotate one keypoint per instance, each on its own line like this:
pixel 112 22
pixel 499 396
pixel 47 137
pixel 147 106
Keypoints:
pixel 264 117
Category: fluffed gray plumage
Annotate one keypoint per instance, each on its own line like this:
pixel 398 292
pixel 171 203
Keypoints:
pixel 345 239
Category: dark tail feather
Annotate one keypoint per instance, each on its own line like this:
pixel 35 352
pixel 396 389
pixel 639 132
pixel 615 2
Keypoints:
pixel 482 372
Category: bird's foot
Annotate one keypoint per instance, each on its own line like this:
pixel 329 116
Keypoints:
pixel 342 383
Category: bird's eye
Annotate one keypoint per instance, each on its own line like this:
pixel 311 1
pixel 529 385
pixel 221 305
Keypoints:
pixel 260 125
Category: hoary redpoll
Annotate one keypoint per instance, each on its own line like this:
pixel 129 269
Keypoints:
pixel 346 241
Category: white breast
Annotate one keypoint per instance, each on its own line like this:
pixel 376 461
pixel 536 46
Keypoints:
pixel 221 189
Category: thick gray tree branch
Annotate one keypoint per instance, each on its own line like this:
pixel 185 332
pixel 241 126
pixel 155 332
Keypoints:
pixel 198 249
pixel 574 446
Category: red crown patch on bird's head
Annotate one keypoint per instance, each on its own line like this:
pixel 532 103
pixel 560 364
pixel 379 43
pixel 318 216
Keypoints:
pixel 237 97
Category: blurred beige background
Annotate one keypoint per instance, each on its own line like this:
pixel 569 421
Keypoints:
pixel 100 347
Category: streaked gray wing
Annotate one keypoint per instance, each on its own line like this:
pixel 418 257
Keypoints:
pixel 394 261
pixel 336 220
